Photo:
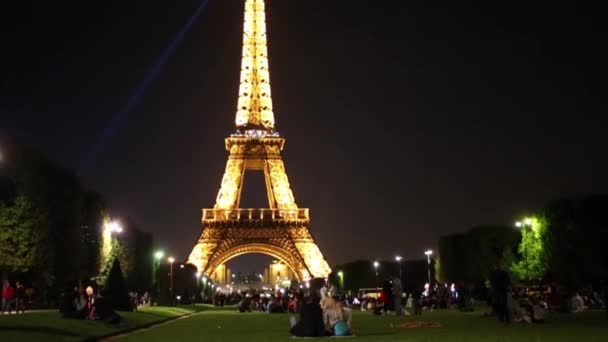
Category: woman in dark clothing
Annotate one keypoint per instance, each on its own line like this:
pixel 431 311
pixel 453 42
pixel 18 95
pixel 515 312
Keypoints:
pixel 311 320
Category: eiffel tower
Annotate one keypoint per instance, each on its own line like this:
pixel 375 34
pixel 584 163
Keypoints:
pixel 281 230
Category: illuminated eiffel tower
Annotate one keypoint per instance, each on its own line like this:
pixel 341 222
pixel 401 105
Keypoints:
pixel 281 230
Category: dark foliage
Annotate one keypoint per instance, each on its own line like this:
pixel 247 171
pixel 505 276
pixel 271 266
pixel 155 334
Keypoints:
pixel 116 289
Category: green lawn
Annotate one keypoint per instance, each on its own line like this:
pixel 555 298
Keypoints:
pixel 213 326
pixel 50 326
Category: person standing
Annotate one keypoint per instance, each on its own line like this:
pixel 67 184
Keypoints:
pixel 20 298
pixel 397 294
pixel 500 286
pixel 8 296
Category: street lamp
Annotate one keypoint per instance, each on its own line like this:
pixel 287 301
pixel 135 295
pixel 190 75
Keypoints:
pixel 114 227
pixel 398 258
pixel 341 275
pixel 527 222
pixel 376 265
pixel 204 279
pixel 171 261
pixel 197 276
pixel 158 255
pixel 428 254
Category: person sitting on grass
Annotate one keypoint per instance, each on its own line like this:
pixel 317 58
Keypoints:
pixel 67 306
pixel 538 312
pixel 80 302
pixel 516 313
pixel 348 314
pixel 244 305
pixel 274 306
pixel 311 319
pixel 101 308
pixel 333 318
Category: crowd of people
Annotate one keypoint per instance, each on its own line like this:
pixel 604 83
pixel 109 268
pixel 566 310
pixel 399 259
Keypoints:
pixel 86 303
pixel 17 297
pixel 321 312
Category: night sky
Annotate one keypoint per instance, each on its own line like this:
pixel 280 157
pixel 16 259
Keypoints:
pixel 404 120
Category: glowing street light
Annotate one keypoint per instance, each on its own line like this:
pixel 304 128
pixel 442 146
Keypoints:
pixel 428 254
pixel 114 227
pixel 171 261
pixel 158 255
pixel 376 265
pixel 526 222
pixel 341 275
pixel 398 258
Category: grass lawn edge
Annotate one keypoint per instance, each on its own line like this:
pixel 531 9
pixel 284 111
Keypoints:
pixel 131 330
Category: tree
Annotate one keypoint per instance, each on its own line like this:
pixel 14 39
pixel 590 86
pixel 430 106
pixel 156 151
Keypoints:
pixel 93 216
pixel 470 257
pixel 56 192
pixel 575 240
pixel 532 264
pixel 23 236
pixel 116 288
pixel 136 255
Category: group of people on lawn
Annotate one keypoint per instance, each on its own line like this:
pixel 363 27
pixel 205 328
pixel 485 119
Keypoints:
pixel 322 314
pixel 13 296
pixel 84 303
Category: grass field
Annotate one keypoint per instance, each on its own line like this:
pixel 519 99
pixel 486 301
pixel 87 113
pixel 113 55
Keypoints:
pixel 226 325
pixel 441 326
pixel 50 326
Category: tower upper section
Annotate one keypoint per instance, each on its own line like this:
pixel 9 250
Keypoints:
pixel 254 111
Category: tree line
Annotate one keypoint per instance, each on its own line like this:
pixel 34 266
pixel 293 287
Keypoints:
pixel 563 244
pixel 52 228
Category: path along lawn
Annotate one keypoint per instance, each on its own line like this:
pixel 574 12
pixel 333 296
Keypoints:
pixel 50 326
pixel 440 326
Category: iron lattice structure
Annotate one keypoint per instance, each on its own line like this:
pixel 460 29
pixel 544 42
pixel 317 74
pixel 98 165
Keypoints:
pixel 282 229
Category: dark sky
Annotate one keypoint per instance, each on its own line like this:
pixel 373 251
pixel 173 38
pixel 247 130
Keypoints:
pixel 404 120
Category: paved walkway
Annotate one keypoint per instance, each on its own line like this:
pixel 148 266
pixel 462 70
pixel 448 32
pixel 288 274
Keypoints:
pixel 27 312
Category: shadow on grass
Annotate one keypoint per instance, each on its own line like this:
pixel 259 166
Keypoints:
pixel 41 330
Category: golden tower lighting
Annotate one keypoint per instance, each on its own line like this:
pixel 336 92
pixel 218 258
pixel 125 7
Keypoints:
pixel 281 230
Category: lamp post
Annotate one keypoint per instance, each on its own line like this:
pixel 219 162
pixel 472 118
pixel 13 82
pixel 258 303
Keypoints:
pixel 527 222
pixel 341 275
pixel 158 255
pixel 376 265
pixel 171 261
pixel 204 279
pixel 114 227
pixel 197 277
pixel 398 258
pixel 428 254
pixel 108 243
